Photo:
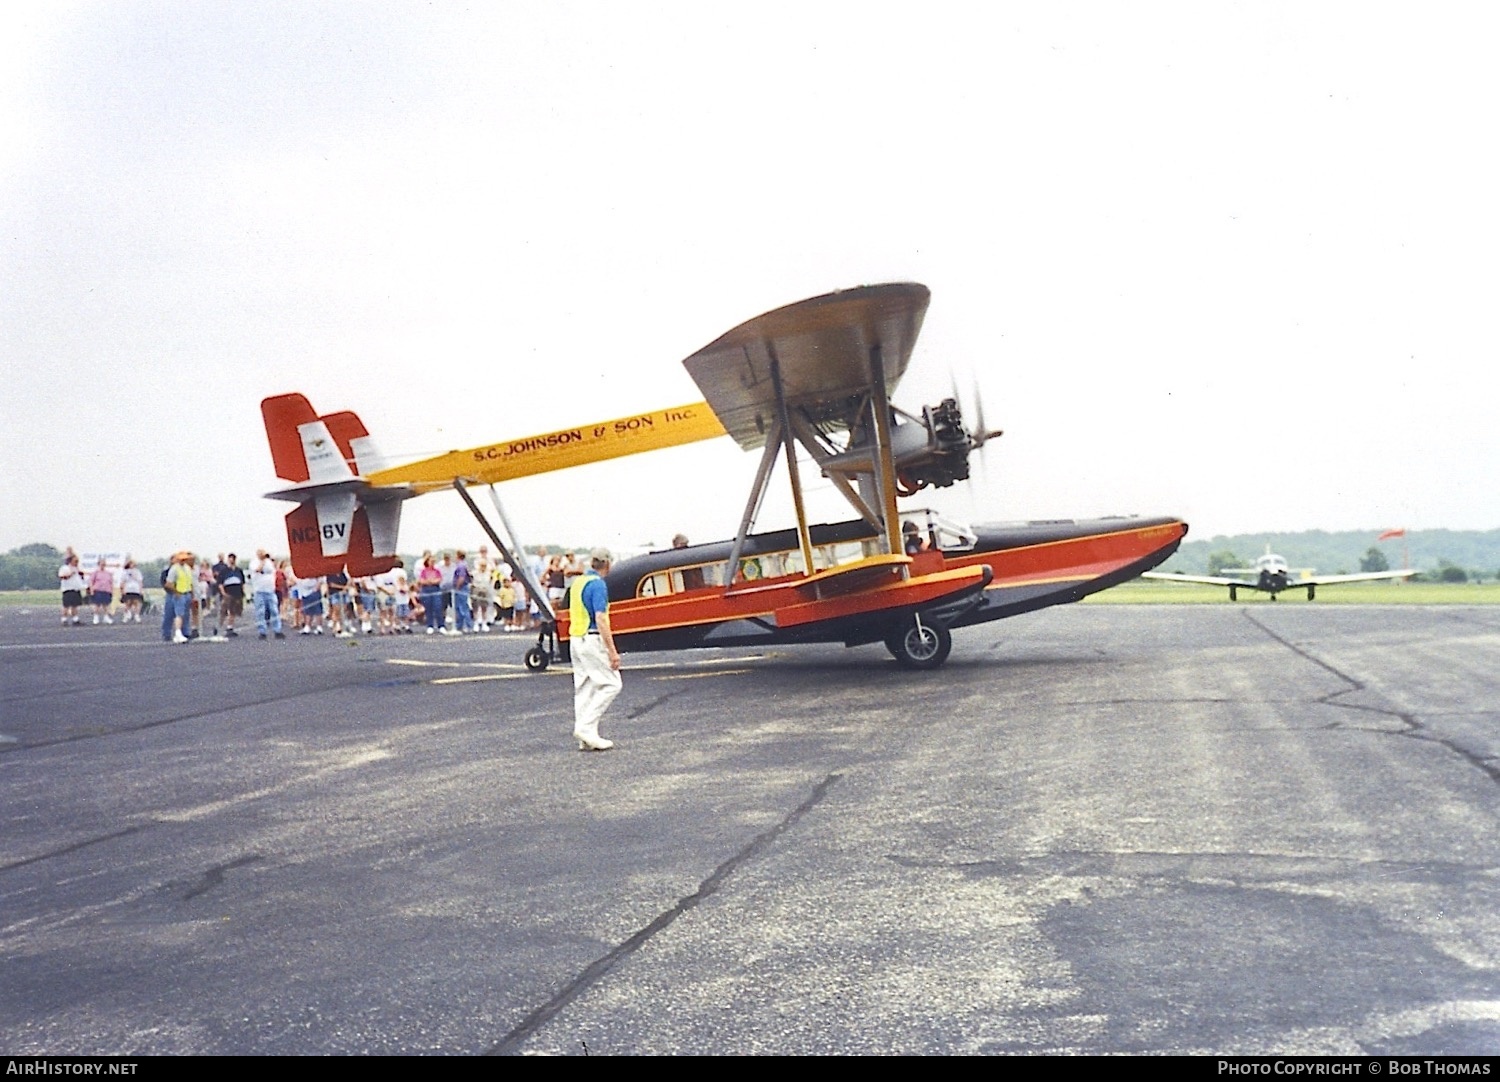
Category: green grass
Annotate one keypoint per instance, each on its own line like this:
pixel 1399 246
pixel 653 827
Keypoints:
pixel 52 599
pixel 1147 592
pixel 1139 592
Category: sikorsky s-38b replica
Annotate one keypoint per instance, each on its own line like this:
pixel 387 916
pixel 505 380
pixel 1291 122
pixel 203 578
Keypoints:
pixel 817 375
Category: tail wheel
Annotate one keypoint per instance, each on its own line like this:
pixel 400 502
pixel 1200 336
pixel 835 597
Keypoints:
pixel 536 659
pixel 920 644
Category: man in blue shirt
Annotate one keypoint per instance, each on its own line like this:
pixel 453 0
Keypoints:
pixel 596 662
pixel 463 618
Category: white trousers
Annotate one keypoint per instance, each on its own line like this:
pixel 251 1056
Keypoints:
pixel 595 685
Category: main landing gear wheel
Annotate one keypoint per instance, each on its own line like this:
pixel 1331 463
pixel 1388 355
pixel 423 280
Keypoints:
pixel 920 644
pixel 536 659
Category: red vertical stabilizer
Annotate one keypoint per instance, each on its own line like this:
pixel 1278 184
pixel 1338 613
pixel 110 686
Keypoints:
pixel 282 414
pixel 345 427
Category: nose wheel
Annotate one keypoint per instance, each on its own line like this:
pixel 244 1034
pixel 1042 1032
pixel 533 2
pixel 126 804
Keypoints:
pixel 920 644
pixel 547 650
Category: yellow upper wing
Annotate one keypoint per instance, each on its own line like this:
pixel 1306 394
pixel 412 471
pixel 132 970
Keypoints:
pixel 558 450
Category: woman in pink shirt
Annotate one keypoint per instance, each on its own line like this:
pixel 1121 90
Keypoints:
pixel 430 585
pixel 102 591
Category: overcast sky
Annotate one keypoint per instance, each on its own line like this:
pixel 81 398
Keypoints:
pixel 1234 262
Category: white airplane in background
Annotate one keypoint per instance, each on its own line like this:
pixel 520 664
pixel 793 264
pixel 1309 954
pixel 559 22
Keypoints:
pixel 1272 575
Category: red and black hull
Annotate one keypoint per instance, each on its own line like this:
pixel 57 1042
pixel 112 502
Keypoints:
pixel 1040 564
pixel 1027 566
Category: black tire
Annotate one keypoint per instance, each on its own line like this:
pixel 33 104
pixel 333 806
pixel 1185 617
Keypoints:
pixel 536 659
pixel 920 645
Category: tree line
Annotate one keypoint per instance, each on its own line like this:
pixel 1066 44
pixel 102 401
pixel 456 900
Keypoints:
pixel 1439 555
pixel 34 567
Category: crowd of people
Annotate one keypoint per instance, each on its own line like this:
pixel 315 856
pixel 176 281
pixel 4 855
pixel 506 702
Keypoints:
pixel 446 593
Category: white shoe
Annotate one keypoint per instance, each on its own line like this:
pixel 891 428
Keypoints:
pixel 305 631
pixel 96 619
pixel 109 619
pixel 429 631
pixel 597 744
pixel 179 637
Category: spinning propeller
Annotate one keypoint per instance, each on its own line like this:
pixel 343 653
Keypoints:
pixel 979 435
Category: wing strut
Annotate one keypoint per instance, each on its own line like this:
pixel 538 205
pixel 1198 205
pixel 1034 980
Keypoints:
pixel 885 472
pixel 518 566
pixel 757 494
pixel 820 454
pixel 804 536
pixel 533 587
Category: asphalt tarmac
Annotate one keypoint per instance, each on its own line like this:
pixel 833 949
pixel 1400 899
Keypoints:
pixel 1262 829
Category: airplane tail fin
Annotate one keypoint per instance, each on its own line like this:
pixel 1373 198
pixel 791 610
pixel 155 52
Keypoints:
pixel 340 521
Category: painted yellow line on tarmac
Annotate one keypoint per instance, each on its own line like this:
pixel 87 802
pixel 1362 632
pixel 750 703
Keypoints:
pixel 671 667
pixel 685 663
pixel 700 675
pixel 454 664
pixel 475 679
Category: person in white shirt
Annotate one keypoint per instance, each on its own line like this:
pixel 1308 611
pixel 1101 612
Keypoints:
pixel 263 593
pixel 71 579
pixel 132 591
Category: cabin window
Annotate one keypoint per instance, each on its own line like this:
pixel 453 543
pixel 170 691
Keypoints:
pixel 753 569
pixel 677 581
pixel 654 586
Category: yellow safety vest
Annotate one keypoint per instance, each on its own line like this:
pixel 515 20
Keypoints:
pixel 578 616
